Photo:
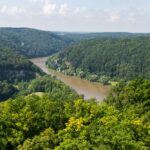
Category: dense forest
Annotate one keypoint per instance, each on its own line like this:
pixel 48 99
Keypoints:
pixel 39 112
pixel 32 42
pixel 85 36
pixel 105 59
pixel 37 43
pixel 14 67
pixel 49 122
pixel 20 77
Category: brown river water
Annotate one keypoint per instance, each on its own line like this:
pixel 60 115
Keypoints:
pixel 81 86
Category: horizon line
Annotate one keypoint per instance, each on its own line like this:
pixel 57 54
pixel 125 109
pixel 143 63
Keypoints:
pixel 75 31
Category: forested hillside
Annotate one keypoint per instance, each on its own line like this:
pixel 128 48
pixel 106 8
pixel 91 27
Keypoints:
pixel 106 59
pixel 76 37
pixel 14 67
pixel 47 122
pixel 36 43
pixel 20 77
pixel 32 42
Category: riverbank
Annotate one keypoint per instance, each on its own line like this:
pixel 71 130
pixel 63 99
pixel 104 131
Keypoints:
pixel 65 67
pixel 81 86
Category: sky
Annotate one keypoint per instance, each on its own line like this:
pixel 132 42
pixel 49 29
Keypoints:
pixel 77 15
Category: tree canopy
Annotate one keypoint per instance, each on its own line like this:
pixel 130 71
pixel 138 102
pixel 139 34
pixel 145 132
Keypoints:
pixel 105 59
pixel 39 122
pixel 14 67
pixel 32 42
pixel 39 112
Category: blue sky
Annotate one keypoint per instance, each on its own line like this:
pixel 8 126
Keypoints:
pixel 77 15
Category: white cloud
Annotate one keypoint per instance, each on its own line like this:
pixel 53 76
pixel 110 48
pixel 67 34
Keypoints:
pixel 13 10
pixel 33 1
pixel 114 18
pixel 37 1
pixel 64 9
pixel 79 17
pixel 80 10
pixel 49 8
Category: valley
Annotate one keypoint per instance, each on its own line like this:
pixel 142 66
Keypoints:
pixel 81 86
pixel 56 94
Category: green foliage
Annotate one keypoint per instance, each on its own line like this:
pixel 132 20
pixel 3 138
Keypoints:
pixel 14 67
pixel 32 42
pixel 113 58
pixel 85 36
pixel 104 79
pixel 54 88
pixel 25 117
pixel 45 140
pixel 123 94
pixel 45 114
pixel 41 123
pixel 6 90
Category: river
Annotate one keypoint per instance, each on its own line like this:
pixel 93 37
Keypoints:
pixel 81 86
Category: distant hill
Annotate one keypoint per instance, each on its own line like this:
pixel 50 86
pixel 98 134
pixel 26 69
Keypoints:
pixel 32 42
pixel 85 36
pixel 37 43
pixel 14 67
pixel 106 58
